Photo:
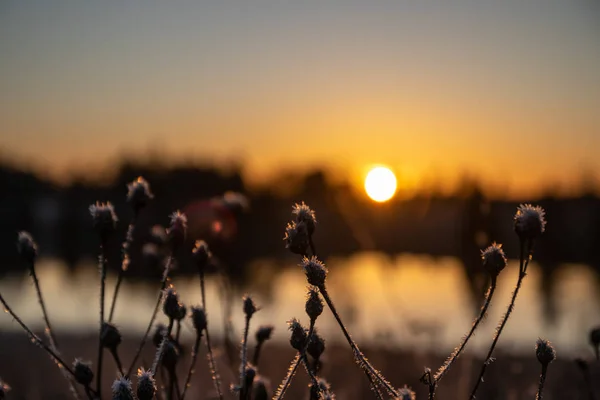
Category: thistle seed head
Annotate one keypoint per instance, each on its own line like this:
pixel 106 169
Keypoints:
pixel 201 255
pixel 160 331
pixel 110 336
pixel 263 333
pixel 139 194
pixel 303 213
pixel 250 375
pixel 315 271
pixel 530 221
pixel 322 387
pixel 261 388
pixel 595 337
pixel 158 236
pixel 298 336
pixel 316 345
pixel 171 304
pixel 406 393
pixel 152 257
pixel 146 387
pixel 236 201
pixel 83 372
pixel 104 219
pixel 493 258
pixel 121 389
pixel 199 320
pixel 249 306
pixel 544 351
pixel 170 355
pixel 181 312
pixel 177 230
pixel 314 304
pixel 4 388
pixel 296 237
pixel 27 247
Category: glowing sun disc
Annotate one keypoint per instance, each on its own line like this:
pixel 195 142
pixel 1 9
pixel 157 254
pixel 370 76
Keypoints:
pixel 380 184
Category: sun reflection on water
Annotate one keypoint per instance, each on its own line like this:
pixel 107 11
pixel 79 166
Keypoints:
pixel 406 301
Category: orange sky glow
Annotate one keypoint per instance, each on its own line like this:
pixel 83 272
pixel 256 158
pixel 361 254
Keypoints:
pixel 506 92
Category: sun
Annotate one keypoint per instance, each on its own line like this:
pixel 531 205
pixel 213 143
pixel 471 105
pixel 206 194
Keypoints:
pixel 380 184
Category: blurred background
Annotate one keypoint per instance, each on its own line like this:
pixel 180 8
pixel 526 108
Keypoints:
pixel 414 129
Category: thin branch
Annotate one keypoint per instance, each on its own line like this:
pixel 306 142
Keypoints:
pixel 124 265
pixel 192 365
pixel 454 356
pixel 209 353
pixel 488 358
pixel 163 284
pixel 36 340
pixel 374 376
pixel 102 290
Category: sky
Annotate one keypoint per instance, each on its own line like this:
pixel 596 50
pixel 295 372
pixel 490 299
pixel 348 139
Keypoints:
pixel 505 91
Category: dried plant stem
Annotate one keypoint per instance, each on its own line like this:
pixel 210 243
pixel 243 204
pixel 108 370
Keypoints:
pixel 209 353
pixel 244 358
pixel 117 359
pixel 454 356
pixel 49 331
pixel 374 376
pixel 163 284
pixel 256 355
pixel 192 365
pixel 539 395
pixel 102 290
pixel 313 378
pixel 283 387
pixel 124 265
pixel 36 340
pixel 488 358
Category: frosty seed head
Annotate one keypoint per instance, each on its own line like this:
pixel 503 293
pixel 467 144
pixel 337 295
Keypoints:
pixel 110 336
pixel 544 351
pixel 316 345
pixel 315 271
pixel 493 259
pixel 158 236
pixel 405 393
pixel 104 219
pixel 181 312
pixel 121 389
pixel 314 304
pixel 170 355
pixel 171 304
pixel 263 333
pixel 261 388
pixel 303 213
pixel 83 372
pixel 249 306
pixel 146 387
pixel 4 388
pixel 201 255
pixel 177 230
pixel 199 320
pixel 530 221
pixel 296 237
pixel 236 201
pixel 160 330
pixel 298 334
pixel 27 247
pixel 139 194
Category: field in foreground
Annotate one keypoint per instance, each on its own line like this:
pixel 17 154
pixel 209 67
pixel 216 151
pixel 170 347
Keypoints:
pixel 32 376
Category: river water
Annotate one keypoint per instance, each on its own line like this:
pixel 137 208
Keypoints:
pixel 408 301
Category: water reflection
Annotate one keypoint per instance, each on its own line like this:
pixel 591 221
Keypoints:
pixel 408 301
